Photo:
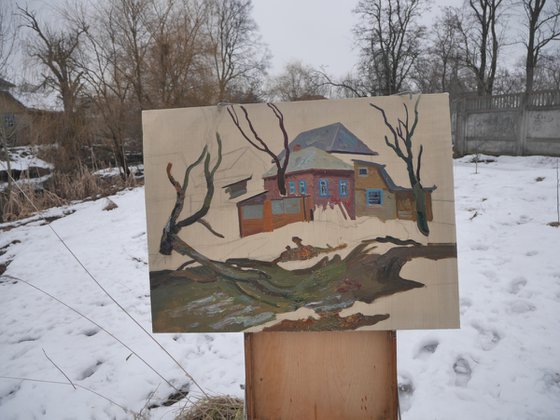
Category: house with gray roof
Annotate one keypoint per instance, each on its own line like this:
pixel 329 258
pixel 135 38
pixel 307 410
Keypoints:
pixel 332 138
pixel 314 178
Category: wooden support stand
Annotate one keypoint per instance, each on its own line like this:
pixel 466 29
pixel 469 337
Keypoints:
pixel 321 375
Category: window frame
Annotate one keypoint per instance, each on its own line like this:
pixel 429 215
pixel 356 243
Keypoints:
pixel 341 183
pixel 291 187
pixel 378 191
pixel 302 191
pixel 324 182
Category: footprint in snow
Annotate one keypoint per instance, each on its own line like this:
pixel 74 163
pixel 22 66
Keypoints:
pixel 479 247
pixel 532 253
pixel 427 348
pixel 10 393
pixel 465 304
pixel 91 332
pixel 406 390
pixel 520 307
pixel 551 380
pixel 488 338
pixel 463 372
pixel 27 339
pixel 90 371
pixel 517 284
pixel 523 219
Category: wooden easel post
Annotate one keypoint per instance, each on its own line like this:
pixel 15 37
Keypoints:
pixel 321 375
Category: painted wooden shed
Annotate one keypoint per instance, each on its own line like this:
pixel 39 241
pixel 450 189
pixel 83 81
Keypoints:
pixel 377 194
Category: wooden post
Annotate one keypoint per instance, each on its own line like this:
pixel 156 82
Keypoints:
pixel 321 375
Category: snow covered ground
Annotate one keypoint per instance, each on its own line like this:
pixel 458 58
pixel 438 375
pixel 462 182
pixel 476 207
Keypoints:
pixel 502 364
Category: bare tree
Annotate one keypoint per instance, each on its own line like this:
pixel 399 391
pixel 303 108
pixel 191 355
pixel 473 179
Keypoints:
pixel 170 240
pixel 237 53
pixel 298 82
pixel 261 145
pixel 481 41
pixel 441 68
pixel 543 26
pixel 8 36
pixel 57 51
pixel 176 59
pixel 548 71
pixel 390 40
pixel 107 87
pixel 401 143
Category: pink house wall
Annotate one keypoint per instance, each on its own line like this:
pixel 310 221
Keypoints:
pixel 312 179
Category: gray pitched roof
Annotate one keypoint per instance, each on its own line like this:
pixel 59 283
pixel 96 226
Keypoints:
pixel 311 158
pixel 5 85
pixel 387 178
pixel 333 138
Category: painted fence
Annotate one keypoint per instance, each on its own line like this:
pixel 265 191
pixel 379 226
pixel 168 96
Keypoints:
pixel 259 214
pixel 514 124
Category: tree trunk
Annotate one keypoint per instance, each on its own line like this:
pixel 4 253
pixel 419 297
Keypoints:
pixel 421 211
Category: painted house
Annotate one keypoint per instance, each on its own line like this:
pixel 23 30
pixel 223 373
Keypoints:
pixel 377 195
pixel 317 175
pixel 313 178
pixel 259 213
pixel 316 178
pixel 333 138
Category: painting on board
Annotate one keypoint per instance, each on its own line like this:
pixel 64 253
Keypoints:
pixel 305 216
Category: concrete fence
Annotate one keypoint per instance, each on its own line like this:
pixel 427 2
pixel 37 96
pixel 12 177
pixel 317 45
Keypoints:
pixel 515 124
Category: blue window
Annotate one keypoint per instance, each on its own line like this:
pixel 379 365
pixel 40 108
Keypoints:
pixel 374 197
pixel 9 120
pixel 292 187
pixel 323 187
pixel 362 171
pixel 343 188
pixel 302 187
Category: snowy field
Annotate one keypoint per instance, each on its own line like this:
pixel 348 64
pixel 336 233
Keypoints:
pixel 504 362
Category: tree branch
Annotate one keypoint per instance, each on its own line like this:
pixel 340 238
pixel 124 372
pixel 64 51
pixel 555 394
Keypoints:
pixel 419 162
pixel 209 227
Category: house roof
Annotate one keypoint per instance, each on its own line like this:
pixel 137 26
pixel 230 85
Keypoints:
pixel 10 98
pixel 37 98
pixel 308 159
pixel 242 201
pixel 333 138
pixel 387 178
pixel 5 85
pixel 232 181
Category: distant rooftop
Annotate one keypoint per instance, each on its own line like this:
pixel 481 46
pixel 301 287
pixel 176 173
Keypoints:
pixel 37 98
pixel 311 158
pixel 5 85
pixel 333 138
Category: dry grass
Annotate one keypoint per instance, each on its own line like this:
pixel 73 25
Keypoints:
pixel 214 408
pixel 26 198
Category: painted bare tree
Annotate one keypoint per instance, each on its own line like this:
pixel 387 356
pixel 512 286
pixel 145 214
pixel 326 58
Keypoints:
pixel 170 240
pixel 402 134
pixel 258 143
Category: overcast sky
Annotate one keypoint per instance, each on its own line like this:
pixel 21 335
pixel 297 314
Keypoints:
pixel 316 32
